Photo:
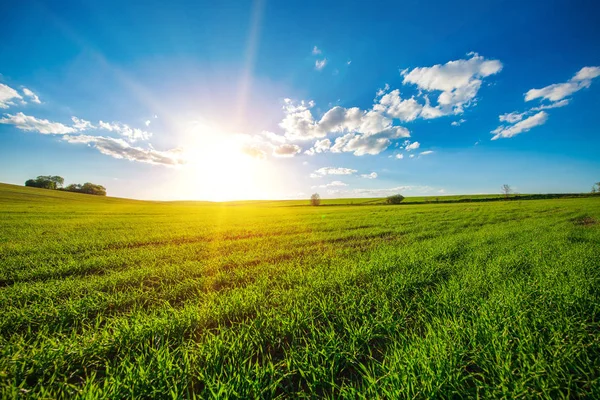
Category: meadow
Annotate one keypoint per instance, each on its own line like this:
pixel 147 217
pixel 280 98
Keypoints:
pixel 115 298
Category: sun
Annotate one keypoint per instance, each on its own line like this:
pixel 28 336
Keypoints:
pixel 217 169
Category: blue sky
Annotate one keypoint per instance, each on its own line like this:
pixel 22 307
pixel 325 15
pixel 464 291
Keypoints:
pixel 269 99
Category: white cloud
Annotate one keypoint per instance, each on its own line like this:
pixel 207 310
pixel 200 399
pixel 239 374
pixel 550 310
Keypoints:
pixel 286 150
pixel 105 125
pixel 412 156
pixel 332 171
pixel 301 126
pixel 515 116
pixel 320 146
pixel 8 95
pixel 316 50
pixel 521 126
pixel 349 62
pixel 291 107
pixel 555 93
pixel 365 144
pixel 359 131
pixel 131 134
pixel 33 124
pixel 320 64
pixel 454 74
pixel 459 122
pixel 119 148
pixel 512 117
pixel 381 92
pixel 31 95
pixel 430 112
pixel 148 122
pixel 332 184
pixel 372 175
pixel 557 104
pixel 400 156
pixel 411 146
pixel 366 132
pixel 82 124
pixel 424 153
pixel 587 73
pixel 392 104
pixel 459 81
pixel 558 91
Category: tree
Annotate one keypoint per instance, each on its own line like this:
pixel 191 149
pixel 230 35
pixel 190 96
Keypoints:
pixel 90 188
pixel 87 188
pixel 315 199
pixel 506 190
pixel 46 182
pixel 395 199
pixel 596 187
pixel 58 180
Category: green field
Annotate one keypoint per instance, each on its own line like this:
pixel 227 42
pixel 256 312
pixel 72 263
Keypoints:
pixel 114 298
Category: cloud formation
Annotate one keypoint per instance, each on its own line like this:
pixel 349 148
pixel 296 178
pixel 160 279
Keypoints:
pixel 372 175
pixel 555 93
pixel 32 96
pixel 81 124
pixel 522 126
pixel 320 64
pixel 364 132
pixel 332 171
pixel 558 91
pixel 286 150
pixel 131 134
pixel 372 131
pixel 32 124
pixel 512 117
pixel 8 95
pixel 121 149
pixel 394 106
pixel 458 81
pixel 320 146
pixel 408 146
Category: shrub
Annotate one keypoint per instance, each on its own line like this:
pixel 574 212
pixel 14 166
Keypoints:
pixel 395 199
pixel 315 199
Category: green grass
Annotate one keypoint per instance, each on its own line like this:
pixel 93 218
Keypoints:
pixel 114 298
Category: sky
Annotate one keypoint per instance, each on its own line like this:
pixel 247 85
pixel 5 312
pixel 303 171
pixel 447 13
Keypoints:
pixel 228 100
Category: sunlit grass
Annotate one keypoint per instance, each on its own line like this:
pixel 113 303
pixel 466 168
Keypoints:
pixel 116 298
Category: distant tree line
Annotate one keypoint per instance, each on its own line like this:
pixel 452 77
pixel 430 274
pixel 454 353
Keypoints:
pixel 57 182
